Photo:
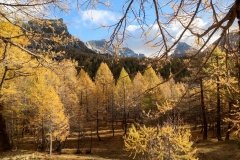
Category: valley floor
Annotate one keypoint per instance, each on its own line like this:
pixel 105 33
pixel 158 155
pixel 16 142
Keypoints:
pixel 214 150
pixel 112 148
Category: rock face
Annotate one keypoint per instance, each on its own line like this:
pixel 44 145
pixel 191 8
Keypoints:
pixel 49 26
pixel 231 41
pixel 127 52
pixel 182 50
pixel 100 46
pixel 52 38
pixel 55 38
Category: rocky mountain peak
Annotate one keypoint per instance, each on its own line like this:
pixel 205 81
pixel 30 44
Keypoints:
pixel 55 38
pixel 182 49
pixel 100 46
pixel 49 26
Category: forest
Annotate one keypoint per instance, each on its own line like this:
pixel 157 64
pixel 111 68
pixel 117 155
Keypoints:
pixel 60 99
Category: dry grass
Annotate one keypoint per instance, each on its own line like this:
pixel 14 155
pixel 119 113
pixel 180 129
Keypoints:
pixel 22 155
pixel 108 148
pixel 214 150
pixel 113 148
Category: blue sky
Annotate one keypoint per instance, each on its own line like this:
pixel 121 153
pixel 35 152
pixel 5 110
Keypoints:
pixel 86 24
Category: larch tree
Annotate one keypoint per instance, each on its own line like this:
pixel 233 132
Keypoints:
pixel 124 95
pixel 171 94
pixel 86 90
pixel 153 96
pixel 84 113
pixel 165 142
pixel 204 116
pixel 11 98
pixel 50 118
pixel 14 40
pixel 231 91
pixel 221 87
pixel 214 70
pixel 222 70
pixel 220 15
pixel 66 88
pixel 184 13
pixel 197 94
pixel 104 83
pixel 139 87
pixel 14 63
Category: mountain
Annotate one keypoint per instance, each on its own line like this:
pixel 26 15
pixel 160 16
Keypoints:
pixel 52 38
pixel 100 46
pixel 55 38
pixel 231 40
pixel 182 49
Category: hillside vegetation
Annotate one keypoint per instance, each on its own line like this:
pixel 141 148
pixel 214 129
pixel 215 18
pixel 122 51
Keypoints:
pixel 62 98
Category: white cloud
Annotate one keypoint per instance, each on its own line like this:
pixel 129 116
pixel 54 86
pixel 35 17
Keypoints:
pixel 200 22
pixel 45 10
pixel 198 26
pixel 139 46
pixel 133 28
pixel 99 17
pixel 137 43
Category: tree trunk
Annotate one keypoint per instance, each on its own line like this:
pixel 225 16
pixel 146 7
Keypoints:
pixel 50 147
pixel 4 139
pixel 64 143
pixel 112 114
pixel 11 140
pixel 124 112
pixel 43 146
pixel 99 138
pixel 78 145
pixel 90 148
pixel 87 110
pixel 79 126
pixel 230 101
pixel 205 125
pixel 23 128
pixel 59 147
pixel 229 123
pixel 219 136
pixel 238 59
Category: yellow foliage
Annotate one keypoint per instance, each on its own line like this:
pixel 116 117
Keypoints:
pixel 104 84
pixel 14 33
pixel 123 90
pixel 49 108
pixel 166 142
